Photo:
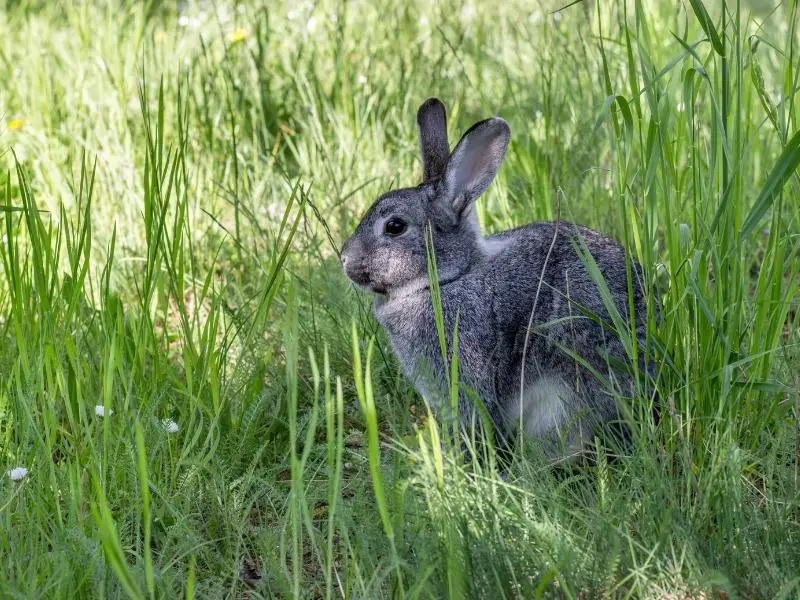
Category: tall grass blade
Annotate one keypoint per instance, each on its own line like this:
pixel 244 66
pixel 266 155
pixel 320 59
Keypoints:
pixel 708 26
pixel 785 166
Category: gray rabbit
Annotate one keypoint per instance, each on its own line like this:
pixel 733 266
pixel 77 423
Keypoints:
pixel 535 340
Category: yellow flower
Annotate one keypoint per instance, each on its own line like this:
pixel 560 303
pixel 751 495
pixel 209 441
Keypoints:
pixel 15 124
pixel 238 35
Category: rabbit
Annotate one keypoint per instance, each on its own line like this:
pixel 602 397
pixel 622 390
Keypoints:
pixel 525 303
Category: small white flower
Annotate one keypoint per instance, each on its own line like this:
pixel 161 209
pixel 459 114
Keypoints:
pixel 170 426
pixel 468 12
pixel 311 25
pixel 102 411
pixel 183 21
pixel 17 473
pixel 423 21
pixel 361 79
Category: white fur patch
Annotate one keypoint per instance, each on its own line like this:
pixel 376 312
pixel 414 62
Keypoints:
pixel 493 247
pixel 543 407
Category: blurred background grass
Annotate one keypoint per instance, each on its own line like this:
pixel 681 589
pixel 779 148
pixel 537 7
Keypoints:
pixel 179 181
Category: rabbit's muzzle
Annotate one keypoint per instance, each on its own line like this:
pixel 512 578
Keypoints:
pixel 353 264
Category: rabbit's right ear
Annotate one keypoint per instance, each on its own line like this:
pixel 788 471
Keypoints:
pixel 432 123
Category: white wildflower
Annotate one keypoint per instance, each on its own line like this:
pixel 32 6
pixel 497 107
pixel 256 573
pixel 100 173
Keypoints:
pixel 423 21
pixel 17 474
pixel 102 411
pixel 170 426
pixel 361 79
pixel 183 21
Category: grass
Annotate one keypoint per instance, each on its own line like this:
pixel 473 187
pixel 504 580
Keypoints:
pixel 177 186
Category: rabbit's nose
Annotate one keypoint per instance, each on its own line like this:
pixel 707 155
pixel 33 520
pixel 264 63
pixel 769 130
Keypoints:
pixel 346 255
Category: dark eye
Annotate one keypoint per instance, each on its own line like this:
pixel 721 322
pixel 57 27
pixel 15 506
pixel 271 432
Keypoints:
pixel 394 226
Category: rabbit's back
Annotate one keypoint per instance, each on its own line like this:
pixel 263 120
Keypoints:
pixel 549 251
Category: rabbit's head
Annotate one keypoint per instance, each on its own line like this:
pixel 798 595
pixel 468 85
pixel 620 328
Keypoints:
pixel 387 252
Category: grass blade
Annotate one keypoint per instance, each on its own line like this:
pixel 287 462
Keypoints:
pixel 785 166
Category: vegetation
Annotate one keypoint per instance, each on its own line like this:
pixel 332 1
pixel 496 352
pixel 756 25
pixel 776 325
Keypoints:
pixel 205 407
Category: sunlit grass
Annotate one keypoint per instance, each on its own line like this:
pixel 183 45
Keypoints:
pixel 194 401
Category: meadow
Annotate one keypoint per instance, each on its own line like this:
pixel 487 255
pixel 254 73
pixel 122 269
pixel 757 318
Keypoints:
pixel 195 402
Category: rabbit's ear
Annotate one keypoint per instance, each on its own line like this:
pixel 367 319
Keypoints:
pixel 475 161
pixel 432 122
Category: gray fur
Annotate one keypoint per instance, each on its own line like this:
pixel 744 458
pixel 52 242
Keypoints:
pixel 493 284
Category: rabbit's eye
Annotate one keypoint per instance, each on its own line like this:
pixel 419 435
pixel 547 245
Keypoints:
pixel 394 226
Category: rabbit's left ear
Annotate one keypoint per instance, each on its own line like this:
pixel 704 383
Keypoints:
pixel 475 162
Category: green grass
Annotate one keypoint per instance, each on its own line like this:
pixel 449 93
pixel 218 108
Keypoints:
pixel 174 195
